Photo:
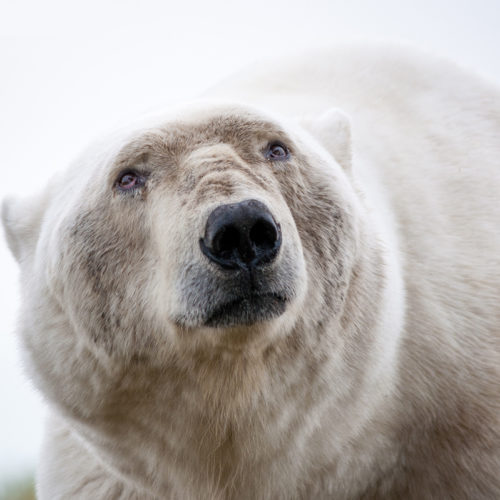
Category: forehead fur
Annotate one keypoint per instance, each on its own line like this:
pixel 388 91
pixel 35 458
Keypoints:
pixel 239 127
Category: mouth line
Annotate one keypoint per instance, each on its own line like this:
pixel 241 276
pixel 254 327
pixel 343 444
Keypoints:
pixel 248 309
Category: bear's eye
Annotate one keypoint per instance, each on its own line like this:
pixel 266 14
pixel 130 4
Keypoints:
pixel 129 180
pixel 277 151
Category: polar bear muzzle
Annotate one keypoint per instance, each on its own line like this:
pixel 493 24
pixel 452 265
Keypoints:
pixel 243 239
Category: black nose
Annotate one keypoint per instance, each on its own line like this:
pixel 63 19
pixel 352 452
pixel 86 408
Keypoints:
pixel 241 235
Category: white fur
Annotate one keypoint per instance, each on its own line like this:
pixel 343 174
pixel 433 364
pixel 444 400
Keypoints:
pixel 408 146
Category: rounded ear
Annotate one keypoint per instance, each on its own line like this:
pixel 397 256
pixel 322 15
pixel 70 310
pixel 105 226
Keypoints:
pixel 333 130
pixel 22 219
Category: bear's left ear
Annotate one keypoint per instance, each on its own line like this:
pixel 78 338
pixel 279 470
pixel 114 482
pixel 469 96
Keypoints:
pixel 22 219
pixel 333 130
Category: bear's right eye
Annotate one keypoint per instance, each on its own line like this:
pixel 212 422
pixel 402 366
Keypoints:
pixel 129 180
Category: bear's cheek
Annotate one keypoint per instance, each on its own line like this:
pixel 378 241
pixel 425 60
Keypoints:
pixel 327 227
pixel 104 278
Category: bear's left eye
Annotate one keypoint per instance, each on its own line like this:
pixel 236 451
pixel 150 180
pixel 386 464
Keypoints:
pixel 129 180
pixel 277 151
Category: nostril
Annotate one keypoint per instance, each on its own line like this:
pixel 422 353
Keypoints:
pixel 263 235
pixel 226 241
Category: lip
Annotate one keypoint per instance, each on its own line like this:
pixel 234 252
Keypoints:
pixel 247 310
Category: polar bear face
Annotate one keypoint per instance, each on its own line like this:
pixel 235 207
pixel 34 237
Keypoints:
pixel 219 228
pixel 172 272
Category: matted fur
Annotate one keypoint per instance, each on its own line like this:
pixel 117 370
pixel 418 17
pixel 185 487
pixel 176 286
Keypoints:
pixel 381 378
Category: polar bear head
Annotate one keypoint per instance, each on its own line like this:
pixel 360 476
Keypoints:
pixel 180 266
pixel 222 227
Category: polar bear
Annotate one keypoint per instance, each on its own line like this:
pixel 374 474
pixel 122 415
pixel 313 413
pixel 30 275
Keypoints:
pixel 293 293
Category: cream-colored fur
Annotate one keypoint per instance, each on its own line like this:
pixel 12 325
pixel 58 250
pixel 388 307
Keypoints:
pixel 381 378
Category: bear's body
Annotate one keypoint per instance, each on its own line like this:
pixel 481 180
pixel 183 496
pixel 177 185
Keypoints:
pixel 361 360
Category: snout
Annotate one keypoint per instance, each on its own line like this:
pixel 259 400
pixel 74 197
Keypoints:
pixel 241 235
pixel 246 272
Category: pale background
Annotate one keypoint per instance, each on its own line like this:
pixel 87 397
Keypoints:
pixel 69 71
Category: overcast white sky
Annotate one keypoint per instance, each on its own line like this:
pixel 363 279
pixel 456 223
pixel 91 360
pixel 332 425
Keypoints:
pixel 70 71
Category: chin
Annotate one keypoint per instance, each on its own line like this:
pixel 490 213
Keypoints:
pixel 247 310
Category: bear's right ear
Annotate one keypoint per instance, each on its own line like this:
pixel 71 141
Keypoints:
pixel 22 219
